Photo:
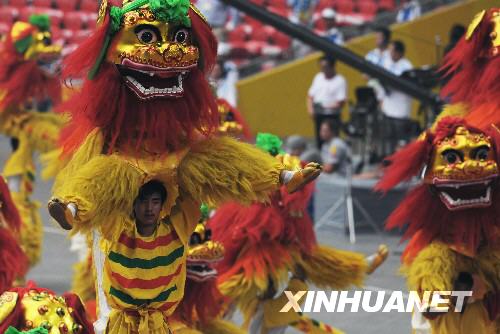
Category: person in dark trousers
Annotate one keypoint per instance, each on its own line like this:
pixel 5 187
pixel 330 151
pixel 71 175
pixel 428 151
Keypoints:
pixel 326 96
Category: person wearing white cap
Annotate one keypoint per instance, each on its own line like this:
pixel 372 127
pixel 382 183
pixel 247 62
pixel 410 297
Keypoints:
pixel 332 33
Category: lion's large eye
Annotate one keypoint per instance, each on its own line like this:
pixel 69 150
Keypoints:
pixel 147 34
pixel 452 156
pixel 181 36
pixel 480 153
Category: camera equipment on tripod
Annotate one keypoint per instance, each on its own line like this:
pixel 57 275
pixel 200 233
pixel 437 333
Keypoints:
pixel 366 100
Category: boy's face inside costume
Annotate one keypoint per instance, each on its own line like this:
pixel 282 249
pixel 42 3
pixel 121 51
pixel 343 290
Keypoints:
pixel 153 56
pixel 147 209
pixel 463 169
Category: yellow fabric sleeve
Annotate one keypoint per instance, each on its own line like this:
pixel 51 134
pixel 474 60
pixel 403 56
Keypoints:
pixel 222 169
pixel 272 315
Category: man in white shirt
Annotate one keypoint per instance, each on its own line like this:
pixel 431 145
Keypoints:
pixel 379 55
pixel 326 96
pixel 332 33
pixel 396 106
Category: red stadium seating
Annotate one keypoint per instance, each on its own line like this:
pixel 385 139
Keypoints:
pixel 367 7
pixel 345 6
pixel 42 3
pixel 281 40
pixel 387 5
pixel 18 3
pixel 66 5
pixel 8 14
pixel 240 34
pixel 263 34
pixel 322 4
pixel 75 20
pixel 89 6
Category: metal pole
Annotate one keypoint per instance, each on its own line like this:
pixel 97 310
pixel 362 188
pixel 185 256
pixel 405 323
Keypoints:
pixel 309 37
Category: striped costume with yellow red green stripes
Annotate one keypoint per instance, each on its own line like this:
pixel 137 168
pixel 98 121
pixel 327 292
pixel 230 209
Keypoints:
pixel 141 274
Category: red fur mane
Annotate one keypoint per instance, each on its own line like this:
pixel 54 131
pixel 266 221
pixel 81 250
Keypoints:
pixel 126 121
pixel 202 301
pixel 262 235
pixel 475 76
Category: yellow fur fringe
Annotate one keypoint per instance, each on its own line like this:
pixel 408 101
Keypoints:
pixel 219 326
pixel 223 169
pixel 91 147
pixel 31 231
pixel 104 186
pixel 433 269
pixel 335 269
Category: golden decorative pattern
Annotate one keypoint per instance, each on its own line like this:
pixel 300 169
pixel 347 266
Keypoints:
pixel 455 158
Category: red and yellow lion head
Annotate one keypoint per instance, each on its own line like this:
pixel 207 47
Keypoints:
pixel 27 57
pixel 145 67
pixel 456 202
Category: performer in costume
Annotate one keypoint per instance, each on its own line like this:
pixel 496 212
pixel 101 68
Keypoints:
pixel 146 113
pixel 452 222
pixel 201 309
pixel 31 307
pixel 13 261
pixel 231 121
pixel 473 66
pixel 267 242
pixel 26 82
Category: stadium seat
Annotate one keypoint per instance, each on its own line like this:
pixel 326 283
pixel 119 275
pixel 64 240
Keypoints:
pixel 74 20
pixel 42 3
pixel 240 34
pixel 4 28
pixel 281 40
pixel 279 4
pixel 91 6
pixel 18 3
pixel 8 14
pixel 66 5
pixel 345 6
pixel 367 7
pixel 263 34
pixel 387 5
pixel 322 4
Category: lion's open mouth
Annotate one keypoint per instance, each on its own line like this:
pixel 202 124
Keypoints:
pixel 148 81
pixel 200 271
pixel 465 195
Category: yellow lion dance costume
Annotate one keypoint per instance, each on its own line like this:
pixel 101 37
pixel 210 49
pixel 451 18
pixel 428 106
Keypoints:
pixel 27 80
pixel 146 113
pixel 452 222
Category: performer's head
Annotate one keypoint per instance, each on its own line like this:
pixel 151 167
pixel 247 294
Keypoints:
pixel 148 204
